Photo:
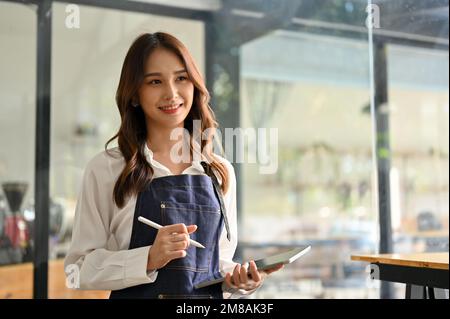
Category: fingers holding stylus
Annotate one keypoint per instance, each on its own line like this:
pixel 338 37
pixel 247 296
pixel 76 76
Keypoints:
pixel 170 243
pixel 179 237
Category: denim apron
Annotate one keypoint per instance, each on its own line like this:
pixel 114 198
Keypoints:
pixel 188 199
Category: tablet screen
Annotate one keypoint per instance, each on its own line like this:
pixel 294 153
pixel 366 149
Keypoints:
pixel 281 258
pixel 286 257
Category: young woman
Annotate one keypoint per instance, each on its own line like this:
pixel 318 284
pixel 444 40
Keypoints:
pixel 160 91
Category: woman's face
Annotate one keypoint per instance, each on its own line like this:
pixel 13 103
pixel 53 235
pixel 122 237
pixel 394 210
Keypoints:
pixel 166 93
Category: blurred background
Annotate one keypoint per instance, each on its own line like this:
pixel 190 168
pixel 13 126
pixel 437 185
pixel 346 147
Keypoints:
pixel 361 113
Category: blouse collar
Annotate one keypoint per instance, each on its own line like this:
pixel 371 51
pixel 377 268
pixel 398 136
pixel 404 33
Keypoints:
pixel 154 163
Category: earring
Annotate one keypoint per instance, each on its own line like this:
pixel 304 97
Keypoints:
pixel 134 104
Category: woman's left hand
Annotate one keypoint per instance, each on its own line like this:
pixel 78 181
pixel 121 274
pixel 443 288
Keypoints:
pixel 248 279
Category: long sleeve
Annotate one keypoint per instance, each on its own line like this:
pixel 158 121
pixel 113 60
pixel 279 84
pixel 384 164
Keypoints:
pixel 228 248
pixel 93 250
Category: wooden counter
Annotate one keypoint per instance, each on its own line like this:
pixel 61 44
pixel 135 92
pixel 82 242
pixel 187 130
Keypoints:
pixel 422 260
pixel 16 282
pixel 425 274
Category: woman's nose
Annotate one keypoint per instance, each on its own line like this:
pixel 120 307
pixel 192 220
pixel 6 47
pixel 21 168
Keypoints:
pixel 170 92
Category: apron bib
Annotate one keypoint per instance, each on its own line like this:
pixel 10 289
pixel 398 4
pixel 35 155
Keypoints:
pixel 188 199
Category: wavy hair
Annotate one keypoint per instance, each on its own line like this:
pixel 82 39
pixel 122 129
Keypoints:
pixel 132 134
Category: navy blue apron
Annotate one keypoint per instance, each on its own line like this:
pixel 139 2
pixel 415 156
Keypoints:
pixel 188 199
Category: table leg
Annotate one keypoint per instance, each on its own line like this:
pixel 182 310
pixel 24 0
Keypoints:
pixel 430 292
pixel 440 293
pixel 420 292
pixel 415 292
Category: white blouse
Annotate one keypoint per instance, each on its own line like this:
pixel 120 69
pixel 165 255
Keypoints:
pixel 101 231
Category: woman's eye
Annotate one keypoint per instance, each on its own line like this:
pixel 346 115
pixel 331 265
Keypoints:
pixel 154 82
pixel 182 78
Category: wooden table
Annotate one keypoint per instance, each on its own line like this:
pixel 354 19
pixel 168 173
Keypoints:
pixel 16 282
pixel 423 273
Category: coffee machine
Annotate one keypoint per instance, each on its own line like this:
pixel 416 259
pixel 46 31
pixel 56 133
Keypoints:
pixel 15 241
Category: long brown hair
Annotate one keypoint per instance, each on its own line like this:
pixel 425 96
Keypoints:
pixel 132 134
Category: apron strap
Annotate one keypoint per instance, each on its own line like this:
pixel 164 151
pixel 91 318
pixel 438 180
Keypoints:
pixel 210 173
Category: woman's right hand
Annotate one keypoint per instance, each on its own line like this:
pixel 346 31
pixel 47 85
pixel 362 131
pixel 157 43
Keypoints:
pixel 170 243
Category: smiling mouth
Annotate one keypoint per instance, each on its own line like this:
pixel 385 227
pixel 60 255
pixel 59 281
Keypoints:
pixel 170 107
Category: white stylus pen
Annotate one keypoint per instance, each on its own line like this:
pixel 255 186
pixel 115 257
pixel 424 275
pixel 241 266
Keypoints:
pixel 158 226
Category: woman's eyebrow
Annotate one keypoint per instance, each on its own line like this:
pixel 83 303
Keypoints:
pixel 159 73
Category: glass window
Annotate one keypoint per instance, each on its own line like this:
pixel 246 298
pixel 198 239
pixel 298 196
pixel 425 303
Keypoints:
pixel 414 117
pixel 17 152
pixel 418 112
pixel 315 91
pixel 296 79
pixel 86 65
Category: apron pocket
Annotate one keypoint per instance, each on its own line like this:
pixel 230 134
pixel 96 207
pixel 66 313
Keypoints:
pixel 207 218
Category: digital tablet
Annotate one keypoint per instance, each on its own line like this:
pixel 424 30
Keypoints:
pixel 286 257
